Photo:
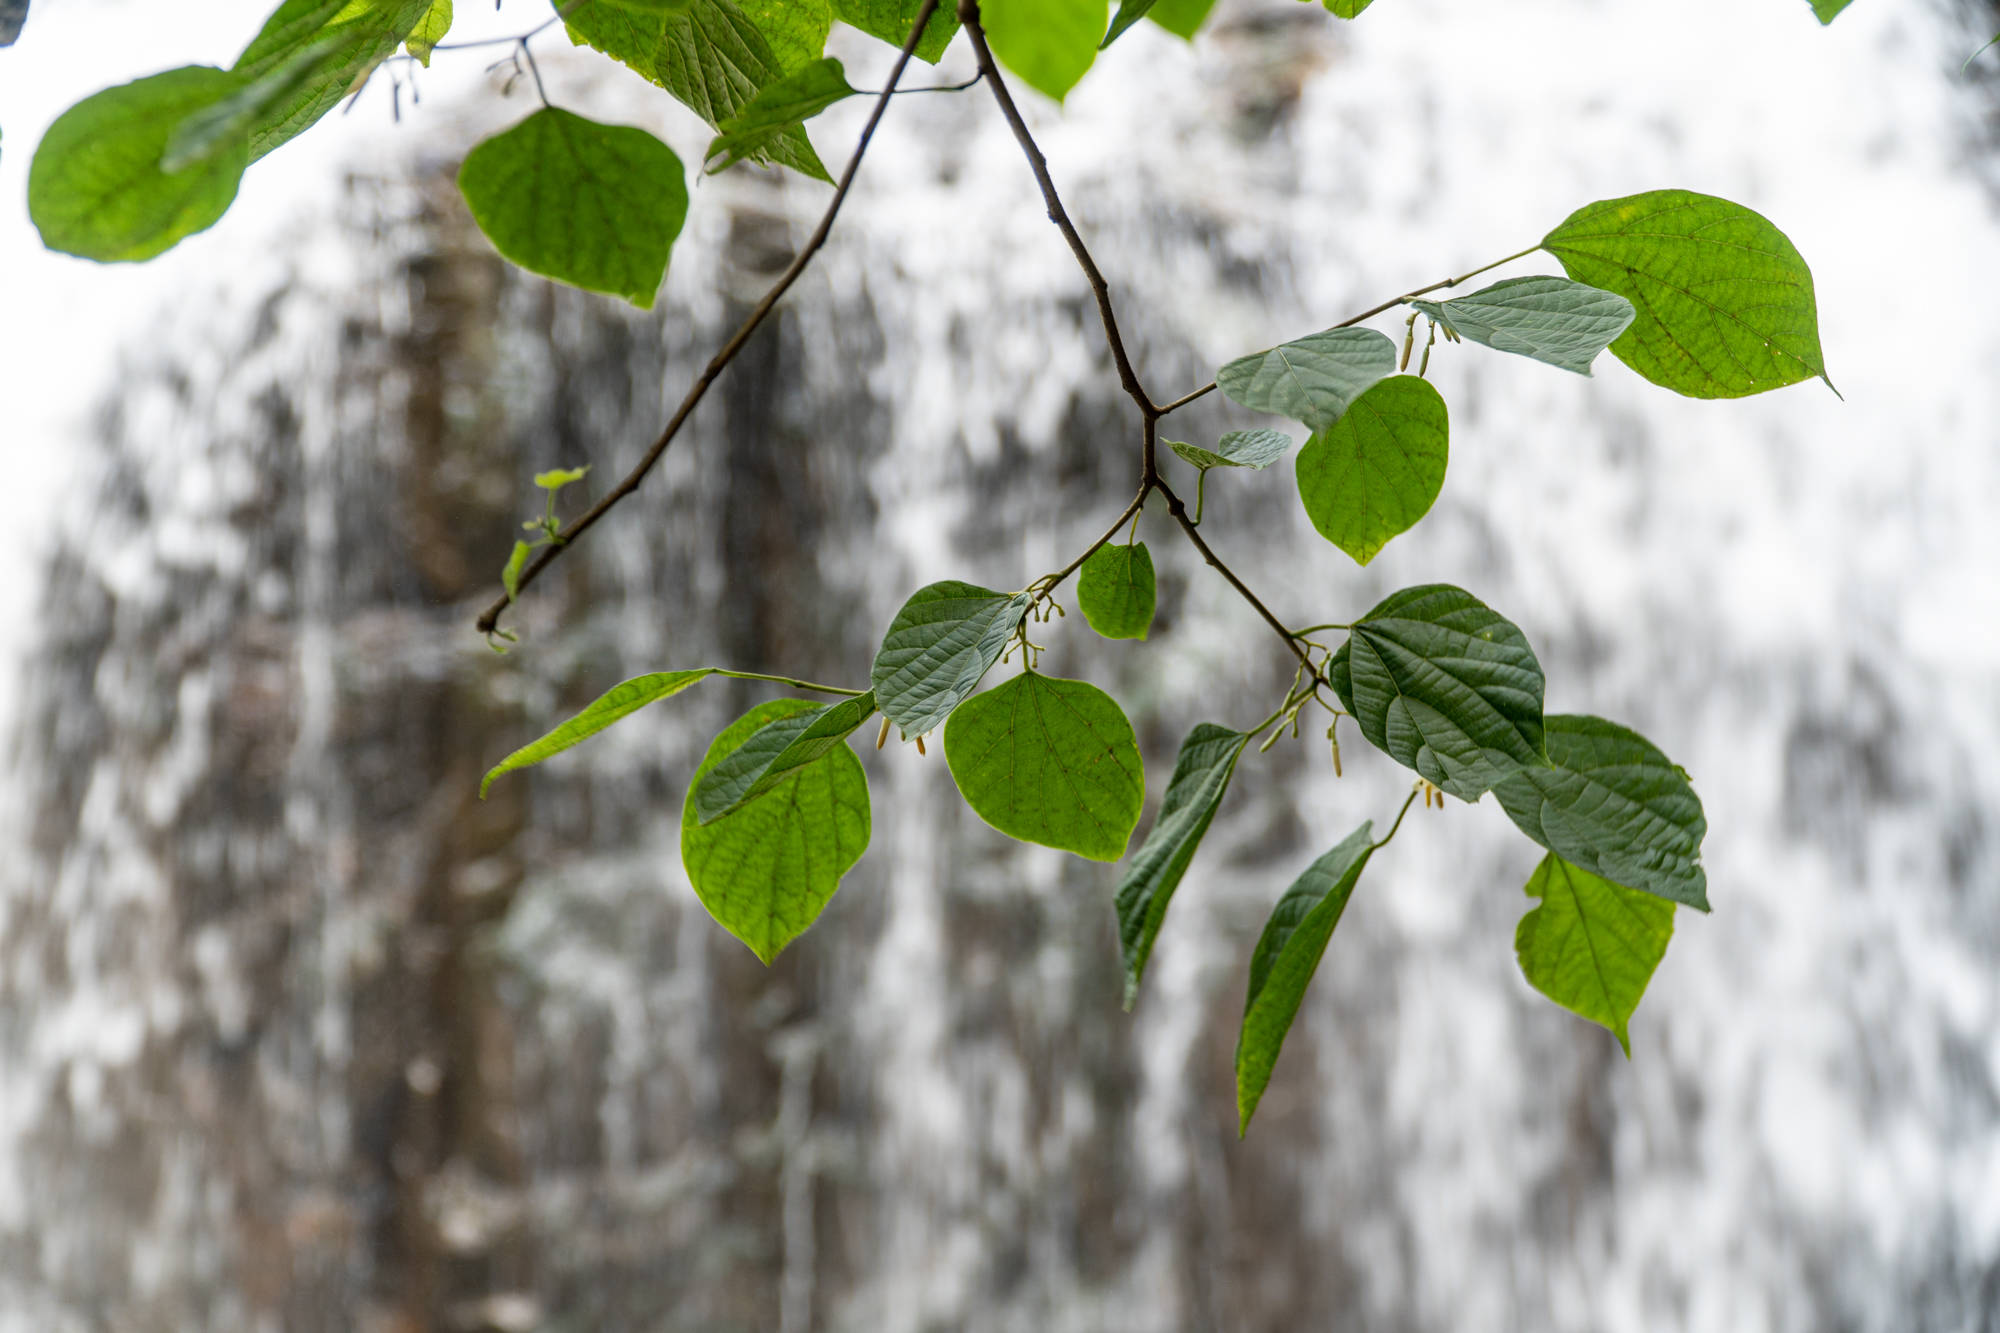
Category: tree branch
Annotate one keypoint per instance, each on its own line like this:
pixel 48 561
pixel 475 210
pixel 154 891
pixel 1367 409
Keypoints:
pixel 490 619
pixel 1179 511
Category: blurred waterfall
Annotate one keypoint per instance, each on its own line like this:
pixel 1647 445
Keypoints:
pixel 296 1033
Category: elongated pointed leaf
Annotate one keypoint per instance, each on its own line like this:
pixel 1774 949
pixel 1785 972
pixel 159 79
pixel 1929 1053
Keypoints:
pixel 1115 590
pixel 596 206
pixel 1563 323
pixel 1202 770
pixel 1182 18
pixel 1049 761
pixel 781 748
pixel 711 55
pixel 938 647
pixel 1724 301
pixel 620 701
pixel 1129 12
pixel 1287 955
pixel 340 42
pixel 891 21
pixel 799 96
pixel 1612 804
pixel 1254 449
pixel 1314 379
pixel 1591 945
pixel 1827 10
pixel 1376 471
pixel 1445 685
pixel 1050 44
pixel 766 870
pixel 96 188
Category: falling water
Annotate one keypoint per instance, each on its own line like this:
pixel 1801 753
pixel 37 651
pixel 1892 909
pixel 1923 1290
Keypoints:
pixel 298 1034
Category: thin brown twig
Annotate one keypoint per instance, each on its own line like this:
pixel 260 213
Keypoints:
pixel 1054 581
pixel 1179 511
pixel 489 620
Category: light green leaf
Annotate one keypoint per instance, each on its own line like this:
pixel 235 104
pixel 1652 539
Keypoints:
pixel 1724 301
pixel 796 29
pixel 557 478
pixel 652 6
pixel 938 647
pixel 1129 12
pixel 1202 770
pixel 891 21
pixel 618 702
pixel 1444 685
pixel 1051 44
pixel 95 187
pixel 1611 803
pixel 1378 469
pixel 1255 449
pixel 596 206
pixel 1287 955
pixel 780 748
pixel 319 52
pixel 1049 761
pixel 1826 10
pixel 767 870
pixel 712 56
pixel 1555 320
pixel 430 30
pixel 1115 590
pixel 798 96
pixel 1182 18
pixel 1591 945
pixel 1348 9
pixel 1313 379
pixel 510 577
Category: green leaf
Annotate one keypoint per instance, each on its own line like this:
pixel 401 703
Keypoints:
pixel 613 705
pixel 712 56
pixel 1826 10
pixel 510 577
pixel 891 20
pixel 1051 44
pixel 652 6
pixel 798 96
pixel 1591 945
pixel 1182 18
pixel 938 647
pixel 430 30
pixel 96 189
pixel 1287 955
pixel 780 748
pixel 1049 761
pixel 1377 470
pixel 1348 9
pixel 1129 12
pixel 596 206
pixel 1115 590
pixel 316 53
pixel 1202 770
pixel 1724 302
pixel 1611 803
pixel 766 870
pixel 1255 449
pixel 1550 319
pixel 557 478
pixel 1444 685
pixel 1313 379
pixel 796 29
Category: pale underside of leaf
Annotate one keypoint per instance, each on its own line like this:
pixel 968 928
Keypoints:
pixel 1553 320
pixel 1313 379
pixel 945 638
pixel 781 747
pixel 1254 449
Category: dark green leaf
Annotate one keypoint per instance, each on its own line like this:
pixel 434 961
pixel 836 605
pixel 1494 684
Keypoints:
pixel 596 206
pixel 1115 590
pixel 1444 685
pixel 1049 761
pixel 319 52
pixel 891 20
pixel 712 56
pixel 1202 771
pixel 1377 470
pixel 797 97
pixel 1287 955
pixel 1724 302
pixel 614 704
pixel 1826 10
pixel 430 30
pixel 767 870
pixel 1312 380
pixel 1613 804
pixel 1182 18
pixel 1555 320
pixel 96 189
pixel 1591 945
pixel 1051 44
pixel 1129 12
pixel 1255 449
pixel 780 748
pixel 937 648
